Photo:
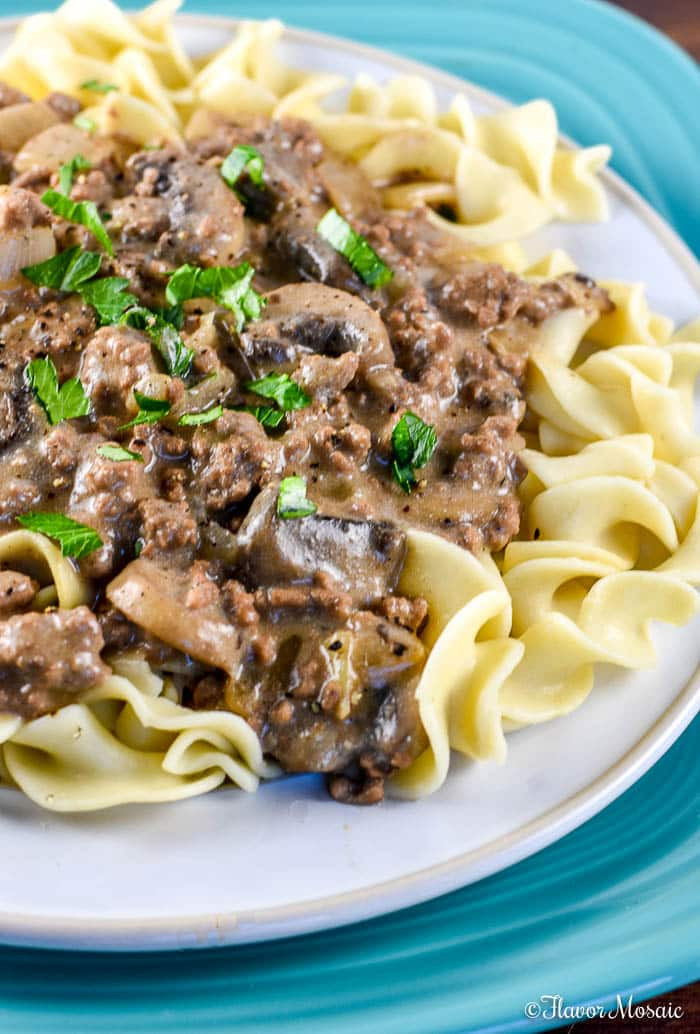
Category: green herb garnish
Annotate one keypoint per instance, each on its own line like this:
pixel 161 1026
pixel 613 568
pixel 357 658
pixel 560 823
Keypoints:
pixel 83 212
pixel 173 350
pixel 243 158
pixel 150 410
pixel 95 86
pixel 118 453
pixel 414 443
pixel 206 417
pixel 268 416
pixel 85 122
pixel 76 540
pixel 62 403
pixel 230 286
pixel 109 297
pixel 352 246
pixel 281 389
pixel 65 271
pixel 292 501
pixel 68 171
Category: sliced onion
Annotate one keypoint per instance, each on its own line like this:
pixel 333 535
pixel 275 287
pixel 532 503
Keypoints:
pixel 21 245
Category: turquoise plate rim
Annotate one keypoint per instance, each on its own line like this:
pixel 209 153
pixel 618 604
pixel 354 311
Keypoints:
pixel 611 908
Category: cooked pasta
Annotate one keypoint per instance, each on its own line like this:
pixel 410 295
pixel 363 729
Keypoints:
pixel 610 534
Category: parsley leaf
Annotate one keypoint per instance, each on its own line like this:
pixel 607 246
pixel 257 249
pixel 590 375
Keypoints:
pixel 292 501
pixel 83 212
pixel 118 453
pixel 82 121
pixel 242 158
pixel 206 417
pixel 109 297
pixel 150 410
pixel 281 389
pixel 95 86
pixel 173 350
pixel 268 416
pixel 352 246
pixel 413 442
pixel 62 403
pixel 65 271
pixel 76 540
pixel 171 314
pixel 114 304
pixel 68 171
pixel 230 286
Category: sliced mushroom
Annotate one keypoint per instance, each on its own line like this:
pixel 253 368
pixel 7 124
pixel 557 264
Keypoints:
pixel 312 318
pixel 363 557
pixel 19 122
pixel 205 217
pixel 58 144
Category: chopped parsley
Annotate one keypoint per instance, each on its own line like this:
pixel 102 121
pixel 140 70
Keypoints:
pixel 165 336
pixel 68 170
pixel 84 122
pixel 150 410
pixel 353 247
pixel 95 86
pixel 115 304
pixel 242 158
pixel 76 540
pixel 281 389
pixel 83 212
pixel 62 403
pixel 66 271
pixel 292 501
pixel 268 416
pixel 206 417
pixel 230 286
pixel 118 453
pixel 413 442
pixel 109 297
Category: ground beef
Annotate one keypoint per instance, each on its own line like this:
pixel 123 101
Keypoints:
pixel 114 361
pixel 17 591
pixel 106 496
pixel 490 295
pixel 422 341
pixel 22 210
pixel 167 530
pixel 46 660
pixel 405 611
pixel 231 457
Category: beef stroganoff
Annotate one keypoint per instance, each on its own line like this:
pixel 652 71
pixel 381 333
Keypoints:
pixel 305 466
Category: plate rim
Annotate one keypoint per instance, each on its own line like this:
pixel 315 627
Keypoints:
pixel 213 929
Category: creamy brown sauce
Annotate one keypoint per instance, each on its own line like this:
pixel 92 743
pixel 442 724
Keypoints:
pixel 294 624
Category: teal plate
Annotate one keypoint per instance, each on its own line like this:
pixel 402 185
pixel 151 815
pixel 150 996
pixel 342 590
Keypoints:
pixel 613 907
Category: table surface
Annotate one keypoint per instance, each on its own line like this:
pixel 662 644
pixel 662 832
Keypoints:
pixel 679 19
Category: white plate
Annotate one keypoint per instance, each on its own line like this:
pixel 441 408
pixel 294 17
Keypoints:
pixel 231 867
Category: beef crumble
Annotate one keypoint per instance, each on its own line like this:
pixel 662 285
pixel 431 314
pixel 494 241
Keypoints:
pixel 296 624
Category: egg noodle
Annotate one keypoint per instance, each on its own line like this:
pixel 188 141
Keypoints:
pixel 610 536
